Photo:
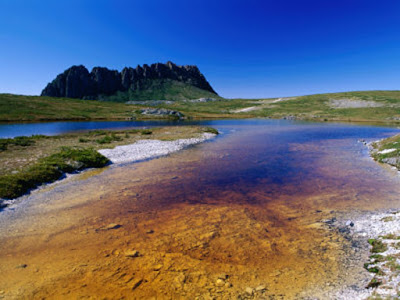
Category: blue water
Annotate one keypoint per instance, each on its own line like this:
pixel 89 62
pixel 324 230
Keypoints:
pixel 55 128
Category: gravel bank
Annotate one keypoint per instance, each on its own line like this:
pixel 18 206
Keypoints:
pixel 379 232
pixel 146 149
pixel 375 237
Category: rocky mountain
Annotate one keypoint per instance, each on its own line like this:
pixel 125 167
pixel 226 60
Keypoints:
pixel 78 82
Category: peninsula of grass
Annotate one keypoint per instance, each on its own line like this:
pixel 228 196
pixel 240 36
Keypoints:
pixel 27 162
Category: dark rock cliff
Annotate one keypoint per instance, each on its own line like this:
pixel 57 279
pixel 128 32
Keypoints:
pixel 77 82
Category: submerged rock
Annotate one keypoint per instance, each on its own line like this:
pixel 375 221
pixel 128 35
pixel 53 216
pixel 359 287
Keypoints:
pixel 132 253
pixel 249 291
pixel 220 282
pixel 21 266
pixel 261 288
pixel 111 226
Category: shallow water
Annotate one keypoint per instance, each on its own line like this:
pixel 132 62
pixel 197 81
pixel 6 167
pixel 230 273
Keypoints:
pixel 246 204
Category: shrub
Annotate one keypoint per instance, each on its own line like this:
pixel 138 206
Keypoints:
pixel 374 283
pixel 109 139
pixel 96 132
pixel 23 141
pixel 146 132
pixel 211 130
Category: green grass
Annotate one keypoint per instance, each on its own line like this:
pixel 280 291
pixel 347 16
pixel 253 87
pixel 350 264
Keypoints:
pixel 109 139
pixel 377 246
pixel 388 143
pixel 49 169
pixel 371 269
pixel 211 130
pixel 312 107
pixel 374 283
pixel 22 141
pixel 31 108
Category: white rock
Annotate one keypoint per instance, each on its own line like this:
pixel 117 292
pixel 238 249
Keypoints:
pixel 387 151
pixel 146 149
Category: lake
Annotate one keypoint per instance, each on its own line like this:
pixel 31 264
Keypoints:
pixel 248 204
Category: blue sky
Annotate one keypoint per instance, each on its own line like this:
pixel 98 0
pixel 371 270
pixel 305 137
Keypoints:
pixel 245 49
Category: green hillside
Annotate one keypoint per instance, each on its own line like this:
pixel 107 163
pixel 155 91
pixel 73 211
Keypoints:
pixel 35 108
pixel 363 106
pixel 161 90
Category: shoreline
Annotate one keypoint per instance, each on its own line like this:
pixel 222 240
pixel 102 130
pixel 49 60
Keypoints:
pixel 150 149
pixel 371 265
pixel 374 236
pixel 64 163
pixel 390 122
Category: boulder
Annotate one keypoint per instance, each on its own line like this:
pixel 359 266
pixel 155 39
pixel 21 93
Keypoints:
pixel 161 112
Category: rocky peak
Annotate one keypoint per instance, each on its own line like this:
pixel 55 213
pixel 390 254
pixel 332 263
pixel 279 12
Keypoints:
pixel 77 82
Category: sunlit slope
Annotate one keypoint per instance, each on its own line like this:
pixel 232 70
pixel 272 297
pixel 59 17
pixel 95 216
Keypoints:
pixel 363 106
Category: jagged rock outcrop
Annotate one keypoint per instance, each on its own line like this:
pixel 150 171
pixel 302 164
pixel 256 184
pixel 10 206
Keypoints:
pixel 77 82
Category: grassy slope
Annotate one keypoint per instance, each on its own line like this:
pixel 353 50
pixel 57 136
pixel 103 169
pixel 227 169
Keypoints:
pixel 313 107
pixel 317 107
pixel 162 90
pixel 32 108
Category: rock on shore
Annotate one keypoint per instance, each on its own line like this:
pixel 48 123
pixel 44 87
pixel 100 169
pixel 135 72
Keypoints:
pixel 161 112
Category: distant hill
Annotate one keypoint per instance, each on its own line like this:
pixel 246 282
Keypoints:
pixel 157 81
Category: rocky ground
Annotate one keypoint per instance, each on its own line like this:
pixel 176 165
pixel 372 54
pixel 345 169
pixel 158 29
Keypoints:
pixel 375 244
pixel 353 103
pixel 146 149
pixel 374 238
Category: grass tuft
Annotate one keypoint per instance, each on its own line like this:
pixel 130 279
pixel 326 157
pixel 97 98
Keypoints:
pixel 211 130
pixel 49 169
pixel 146 132
pixel 377 246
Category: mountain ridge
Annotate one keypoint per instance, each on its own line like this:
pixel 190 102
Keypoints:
pixel 78 82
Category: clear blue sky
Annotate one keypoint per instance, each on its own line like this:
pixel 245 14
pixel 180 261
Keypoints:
pixel 245 48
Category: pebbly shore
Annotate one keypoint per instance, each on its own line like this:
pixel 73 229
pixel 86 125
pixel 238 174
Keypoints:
pixel 147 149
